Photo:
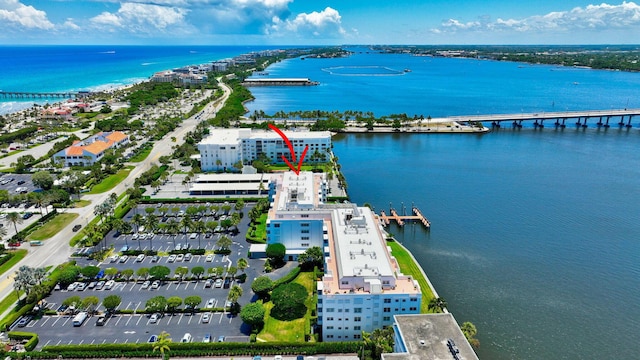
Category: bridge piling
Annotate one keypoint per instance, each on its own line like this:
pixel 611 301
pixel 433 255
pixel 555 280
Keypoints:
pixel 621 123
pixel 585 123
pixel 607 124
pixel 599 123
pixel 563 124
pixel 629 123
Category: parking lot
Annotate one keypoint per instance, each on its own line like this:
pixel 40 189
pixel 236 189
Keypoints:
pixel 17 183
pixel 135 327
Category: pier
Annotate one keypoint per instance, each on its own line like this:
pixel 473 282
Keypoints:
pixel 401 219
pixel 42 95
pixel 623 115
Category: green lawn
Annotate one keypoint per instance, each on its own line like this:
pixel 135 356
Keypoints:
pixel 140 156
pixel 410 267
pixel 52 226
pixel 8 301
pixel 17 256
pixel 289 331
pixel 81 203
pixel 111 181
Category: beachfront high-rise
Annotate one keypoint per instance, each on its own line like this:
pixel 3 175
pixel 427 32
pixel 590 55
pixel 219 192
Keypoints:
pixel 223 148
pixel 362 287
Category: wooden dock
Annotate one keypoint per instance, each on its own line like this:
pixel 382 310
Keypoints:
pixel 401 219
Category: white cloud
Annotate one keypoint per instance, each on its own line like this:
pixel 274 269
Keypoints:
pixel 326 23
pixel 592 17
pixel 70 24
pixel 141 18
pixel 15 14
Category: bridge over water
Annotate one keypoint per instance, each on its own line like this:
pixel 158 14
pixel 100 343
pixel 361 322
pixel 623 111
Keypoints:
pixel 623 116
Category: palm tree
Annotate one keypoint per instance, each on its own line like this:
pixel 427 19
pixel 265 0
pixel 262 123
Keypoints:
pixel 173 227
pixel 242 264
pixel 15 219
pixel 437 304
pixel 162 344
pixel 3 233
pixel 199 227
pixel 151 221
pixel 137 219
pixel 185 223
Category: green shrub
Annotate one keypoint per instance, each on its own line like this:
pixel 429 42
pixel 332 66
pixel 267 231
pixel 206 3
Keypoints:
pixel 287 278
pixel 19 335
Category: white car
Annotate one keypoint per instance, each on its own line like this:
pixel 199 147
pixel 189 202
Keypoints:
pixel 209 258
pixel 210 303
pixel 145 285
pixel 114 258
pixel 143 236
pixel 206 318
pixel 156 284
pixel 124 258
pixel 180 257
pixel 140 258
pixel 154 318
pixel 134 237
pixel 171 258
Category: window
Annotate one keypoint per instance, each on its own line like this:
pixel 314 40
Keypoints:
pixel 304 231
pixel 330 309
pixel 304 215
pixel 412 309
pixel 386 318
pixel 387 301
pixel 356 328
pixel 329 336
pixel 357 310
pixel 305 224
pixel 357 336
pixel 414 299
pixel 276 225
pixel 305 244
pixel 357 318
pixel 304 238
pixel 329 327
pixel 387 310
pixel 330 319
pixel 344 282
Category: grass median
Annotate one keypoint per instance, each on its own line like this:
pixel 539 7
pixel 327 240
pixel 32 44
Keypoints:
pixel 17 256
pixel 52 227
pixel 111 181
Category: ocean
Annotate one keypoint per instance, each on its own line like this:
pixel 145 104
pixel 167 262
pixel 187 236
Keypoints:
pixel 535 235
pixel 101 67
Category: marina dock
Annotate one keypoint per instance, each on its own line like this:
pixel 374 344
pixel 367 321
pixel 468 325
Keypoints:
pixel 401 219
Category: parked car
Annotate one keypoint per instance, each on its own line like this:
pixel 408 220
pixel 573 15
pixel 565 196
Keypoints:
pixel 208 283
pixel 206 318
pixel 100 285
pixel 146 284
pixel 210 303
pixel 152 338
pixel 109 284
pixel 140 258
pixel 155 284
pixel 114 258
pixel 207 338
pixel 218 283
pixel 155 258
pixel 154 318
pixel 209 258
pixel 180 257
pixel 171 258
pixel 187 257
pixel 124 258
pixel 101 320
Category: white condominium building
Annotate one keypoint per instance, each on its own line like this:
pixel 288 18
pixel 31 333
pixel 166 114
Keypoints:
pixel 363 287
pixel 296 216
pixel 225 147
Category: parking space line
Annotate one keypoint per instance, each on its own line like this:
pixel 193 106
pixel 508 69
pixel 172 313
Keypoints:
pixel 45 321
pixel 70 342
pixel 92 341
pixel 119 318
pixel 59 341
pixel 115 341
pixel 129 319
pixel 132 286
pixel 104 341
pixel 127 308
pixel 54 323
pixel 138 322
pixel 81 341
pixel 181 315
pixel 66 321
pixel 47 343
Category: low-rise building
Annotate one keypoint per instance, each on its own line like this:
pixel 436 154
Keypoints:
pixel 429 337
pixel 223 149
pixel 90 150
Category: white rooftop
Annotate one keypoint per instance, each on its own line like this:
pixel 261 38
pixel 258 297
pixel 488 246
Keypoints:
pixel 360 247
pixel 297 191
pixel 234 136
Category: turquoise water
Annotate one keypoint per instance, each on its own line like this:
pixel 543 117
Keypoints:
pixel 535 235
pixel 100 67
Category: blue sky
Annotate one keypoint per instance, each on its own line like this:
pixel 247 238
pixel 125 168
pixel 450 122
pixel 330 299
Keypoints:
pixel 317 22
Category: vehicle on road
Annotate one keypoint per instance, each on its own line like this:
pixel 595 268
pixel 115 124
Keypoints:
pixel 76 227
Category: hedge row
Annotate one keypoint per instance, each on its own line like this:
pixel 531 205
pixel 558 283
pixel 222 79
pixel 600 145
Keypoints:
pixel 194 349
pixel 149 200
pixel 287 278
pixel 19 335
pixel 19 134
pixel 7 256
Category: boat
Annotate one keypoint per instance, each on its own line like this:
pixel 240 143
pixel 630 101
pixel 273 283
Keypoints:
pixel 407 70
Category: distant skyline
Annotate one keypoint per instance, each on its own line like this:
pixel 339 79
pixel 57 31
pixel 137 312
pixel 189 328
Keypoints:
pixel 318 22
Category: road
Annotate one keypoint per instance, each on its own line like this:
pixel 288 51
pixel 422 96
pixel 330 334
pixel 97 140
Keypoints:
pixel 56 250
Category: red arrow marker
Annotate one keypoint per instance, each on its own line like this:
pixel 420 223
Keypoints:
pixel 291 150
